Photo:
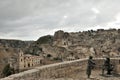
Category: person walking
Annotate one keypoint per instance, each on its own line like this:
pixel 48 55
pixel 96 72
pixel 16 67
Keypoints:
pixel 90 66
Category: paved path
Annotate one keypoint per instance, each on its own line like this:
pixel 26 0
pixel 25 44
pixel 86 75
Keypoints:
pixel 96 75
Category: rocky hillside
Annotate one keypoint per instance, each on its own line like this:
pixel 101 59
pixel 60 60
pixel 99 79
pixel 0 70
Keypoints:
pixel 9 43
pixel 10 48
pixel 63 45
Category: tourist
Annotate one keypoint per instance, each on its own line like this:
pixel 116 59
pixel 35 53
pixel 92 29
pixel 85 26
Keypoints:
pixel 107 66
pixel 90 66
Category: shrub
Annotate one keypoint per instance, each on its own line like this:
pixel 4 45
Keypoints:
pixel 45 39
pixel 7 70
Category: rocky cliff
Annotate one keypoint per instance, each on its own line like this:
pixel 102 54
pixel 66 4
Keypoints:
pixel 64 46
pixel 97 43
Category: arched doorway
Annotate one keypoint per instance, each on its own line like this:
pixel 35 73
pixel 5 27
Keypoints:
pixel 28 64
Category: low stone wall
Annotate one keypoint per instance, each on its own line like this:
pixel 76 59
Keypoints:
pixel 57 70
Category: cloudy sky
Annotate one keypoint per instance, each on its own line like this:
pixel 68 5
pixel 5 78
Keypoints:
pixel 30 19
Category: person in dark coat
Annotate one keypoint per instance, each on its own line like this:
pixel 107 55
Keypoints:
pixel 107 66
pixel 90 66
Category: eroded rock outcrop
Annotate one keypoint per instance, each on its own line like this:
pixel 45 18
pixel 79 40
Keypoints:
pixel 77 45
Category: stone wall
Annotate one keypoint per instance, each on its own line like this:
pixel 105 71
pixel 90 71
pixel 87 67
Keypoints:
pixel 58 70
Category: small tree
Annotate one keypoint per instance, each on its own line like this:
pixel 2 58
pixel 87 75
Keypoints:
pixel 7 70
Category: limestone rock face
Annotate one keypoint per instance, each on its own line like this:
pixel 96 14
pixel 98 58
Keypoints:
pixel 58 35
pixel 14 43
pixel 82 44
pixel 75 44
pixel 100 42
pixel 63 45
pixel 61 38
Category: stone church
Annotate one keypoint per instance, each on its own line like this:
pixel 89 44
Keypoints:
pixel 24 61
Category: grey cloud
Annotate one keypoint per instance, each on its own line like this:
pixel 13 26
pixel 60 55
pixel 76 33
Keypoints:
pixel 27 18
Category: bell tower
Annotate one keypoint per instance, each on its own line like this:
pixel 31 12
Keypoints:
pixel 21 60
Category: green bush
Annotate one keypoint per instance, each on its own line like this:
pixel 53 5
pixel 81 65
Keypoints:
pixel 57 59
pixel 45 39
pixel 7 70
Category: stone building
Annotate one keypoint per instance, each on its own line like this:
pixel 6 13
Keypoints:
pixel 26 61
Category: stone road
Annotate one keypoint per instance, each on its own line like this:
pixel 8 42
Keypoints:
pixel 96 75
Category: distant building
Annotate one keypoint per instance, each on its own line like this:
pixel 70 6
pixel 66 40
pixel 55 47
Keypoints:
pixel 24 61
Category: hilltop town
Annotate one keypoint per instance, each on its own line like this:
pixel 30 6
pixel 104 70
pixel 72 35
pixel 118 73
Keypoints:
pixel 62 46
